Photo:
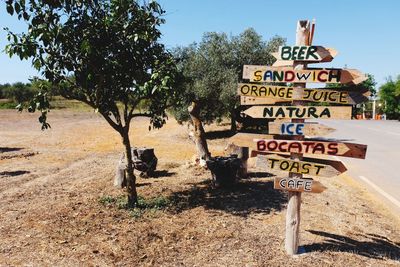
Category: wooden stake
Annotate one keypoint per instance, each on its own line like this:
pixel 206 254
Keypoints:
pixel 312 31
pixel 294 198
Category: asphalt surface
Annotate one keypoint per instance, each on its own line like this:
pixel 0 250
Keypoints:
pixel 379 172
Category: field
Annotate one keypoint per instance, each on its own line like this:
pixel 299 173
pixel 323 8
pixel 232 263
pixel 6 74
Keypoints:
pixel 58 205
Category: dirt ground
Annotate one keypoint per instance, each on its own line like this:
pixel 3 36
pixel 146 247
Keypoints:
pixel 51 184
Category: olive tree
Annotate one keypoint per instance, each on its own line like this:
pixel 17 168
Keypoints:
pixel 104 53
pixel 213 68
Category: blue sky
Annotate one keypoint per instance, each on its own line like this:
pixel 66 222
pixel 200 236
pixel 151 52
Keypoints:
pixel 366 33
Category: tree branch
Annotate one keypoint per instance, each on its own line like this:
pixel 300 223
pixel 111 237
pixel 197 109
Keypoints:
pixel 117 127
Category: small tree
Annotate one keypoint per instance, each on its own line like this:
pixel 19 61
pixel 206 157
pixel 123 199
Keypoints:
pixel 103 53
pixel 389 92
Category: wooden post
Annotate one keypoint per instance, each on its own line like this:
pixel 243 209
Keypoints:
pixel 294 198
pixel 199 134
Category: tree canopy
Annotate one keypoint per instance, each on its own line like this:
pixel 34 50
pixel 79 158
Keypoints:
pixel 389 93
pixel 103 53
pixel 213 67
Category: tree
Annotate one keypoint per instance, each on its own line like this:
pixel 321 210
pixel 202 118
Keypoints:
pixel 103 53
pixel 389 92
pixel 212 69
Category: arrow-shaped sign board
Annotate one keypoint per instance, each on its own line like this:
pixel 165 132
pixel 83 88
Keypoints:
pixel 312 147
pixel 305 53
pixel 312 54
pixel 273 162
pixel 284 94
pixel 306 128
pixel 286 74
pixel 298 185
pixel 299 112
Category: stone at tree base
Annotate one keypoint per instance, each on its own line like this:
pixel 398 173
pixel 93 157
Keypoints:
pixel 224 170
pixel 144 160
pixel 120 177
pixel 242 153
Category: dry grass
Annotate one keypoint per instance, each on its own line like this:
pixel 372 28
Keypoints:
pixel 58 206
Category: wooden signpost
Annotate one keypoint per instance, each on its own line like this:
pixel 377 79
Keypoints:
pixel 312 147
pixel 306 128
pixel 298 185
pixel 283 149
pixel 284 94
pixel 299 112
pixel 272 162
pixel 287 74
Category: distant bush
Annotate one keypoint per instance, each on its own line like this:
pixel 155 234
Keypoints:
pixel 17 92
pixel 3 88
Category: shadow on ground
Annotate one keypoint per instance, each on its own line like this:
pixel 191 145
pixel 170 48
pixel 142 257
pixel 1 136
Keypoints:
pixel 371 245
pixel 9 149
pixel 242 199
pixel 161 174
pixel 13 173
pixel 211 135
pixel 259 175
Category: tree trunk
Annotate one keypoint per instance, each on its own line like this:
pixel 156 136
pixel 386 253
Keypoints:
pixel 233 122
pixel 199 133
pixel 130 176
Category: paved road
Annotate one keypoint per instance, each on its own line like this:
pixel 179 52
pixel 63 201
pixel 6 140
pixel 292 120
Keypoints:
pixel 380 170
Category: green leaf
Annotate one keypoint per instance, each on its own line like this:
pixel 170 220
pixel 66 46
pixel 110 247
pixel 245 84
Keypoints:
pixel 25 15
pixel 17 7
pixel 37 64
pixel 10 9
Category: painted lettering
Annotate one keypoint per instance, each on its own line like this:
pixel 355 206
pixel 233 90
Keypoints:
pixel 268 112
pixel 326 112
pixel 319 76
pixel 286 52
pixel 299 128
pixel 282 183
pixel 244 90
pixel 302 53
pixel 306 168
pixel 288 127
pixel 257 75
pixel 333 148
pixel 319 168
pixel 334 75
pixel 261 145
pixel 303 76
pixel 307 185
pixel 311 53
pixel 289 76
